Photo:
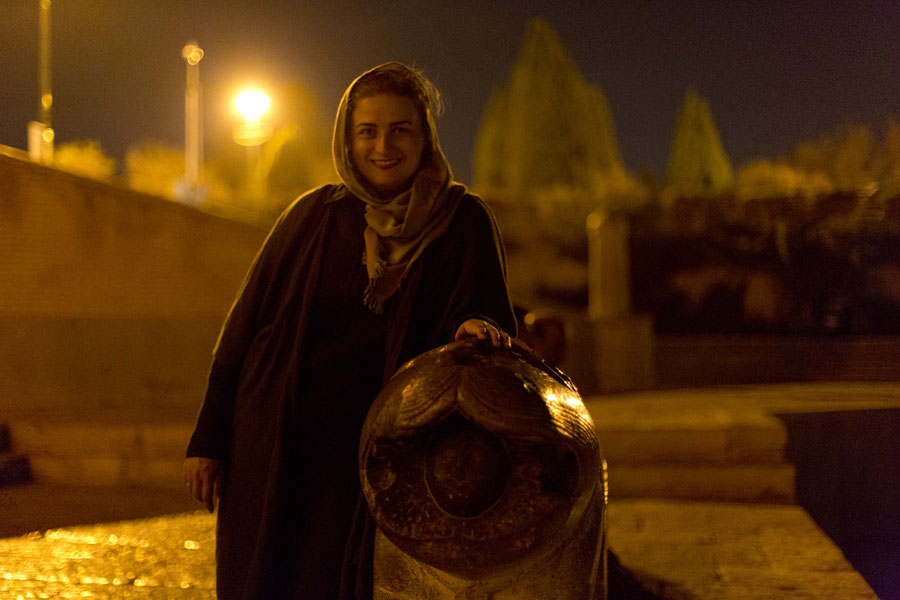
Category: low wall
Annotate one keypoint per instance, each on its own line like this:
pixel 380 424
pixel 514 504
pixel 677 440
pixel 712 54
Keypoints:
pixel 706 360
pixel 109 298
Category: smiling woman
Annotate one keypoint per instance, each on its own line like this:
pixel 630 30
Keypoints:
pixel 316 332
pixel 388 139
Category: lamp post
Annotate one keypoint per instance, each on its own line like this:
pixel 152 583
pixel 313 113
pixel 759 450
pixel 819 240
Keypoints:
pixel 251 132
pixel 189 189
pixel 40 132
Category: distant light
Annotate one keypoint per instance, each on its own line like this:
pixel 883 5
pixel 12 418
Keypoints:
pixel 252 104
pixel 192 53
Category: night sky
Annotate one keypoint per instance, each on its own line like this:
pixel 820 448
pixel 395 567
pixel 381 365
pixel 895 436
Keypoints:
pixel 774 73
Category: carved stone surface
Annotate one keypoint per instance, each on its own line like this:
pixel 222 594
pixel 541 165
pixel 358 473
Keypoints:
pixel 484 476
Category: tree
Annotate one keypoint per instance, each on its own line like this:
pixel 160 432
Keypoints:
pixel 302 161
pixel 545 126
pixel 85 158
pixel 154 168
pixel 886 161
pixel 764 179
pixel 844 155
pixel 697 162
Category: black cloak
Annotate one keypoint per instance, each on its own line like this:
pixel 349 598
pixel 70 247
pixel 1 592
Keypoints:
pixel 297 364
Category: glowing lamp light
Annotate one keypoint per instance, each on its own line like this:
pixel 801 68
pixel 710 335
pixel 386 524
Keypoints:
pixel 252 104
pixel 192 53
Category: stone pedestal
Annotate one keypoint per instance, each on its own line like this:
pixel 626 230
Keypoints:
pixel 620 341
pixel 623 353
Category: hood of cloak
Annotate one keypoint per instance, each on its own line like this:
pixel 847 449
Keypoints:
pixel 398 229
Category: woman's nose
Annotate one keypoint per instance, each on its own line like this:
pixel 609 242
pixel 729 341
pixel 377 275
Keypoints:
pixel 382 142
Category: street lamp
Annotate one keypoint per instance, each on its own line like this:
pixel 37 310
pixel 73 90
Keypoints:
pixel 40 132
pixel 252 104
pixel 189 189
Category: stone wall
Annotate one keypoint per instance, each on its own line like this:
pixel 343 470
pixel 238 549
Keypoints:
pixel 684 361
pixel 108 298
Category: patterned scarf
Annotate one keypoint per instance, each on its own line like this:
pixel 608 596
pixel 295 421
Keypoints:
pixel 400 228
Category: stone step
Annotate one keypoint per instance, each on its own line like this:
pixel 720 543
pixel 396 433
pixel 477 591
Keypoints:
pixel 730 552
pixel 109 453
pixel 679 447
pixel 773 484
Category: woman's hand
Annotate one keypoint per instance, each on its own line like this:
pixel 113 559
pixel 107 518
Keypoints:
pixel 483 330
pixel 203 478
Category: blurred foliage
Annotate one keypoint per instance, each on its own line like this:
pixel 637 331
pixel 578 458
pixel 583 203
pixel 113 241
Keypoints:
pixel 697 164
pixel 155 168
pixel 545 158
pixel 86 158
pixel 885 163
pixel 843 155
pixel 545 126
pixel 769 264
pixel 763 179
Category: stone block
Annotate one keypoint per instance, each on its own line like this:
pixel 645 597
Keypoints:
pixel 164 440
pixel 74 439
pixel 636 446
pixel 730 551
pixel 78 470
pixel 762 442
pixel 725 483
pixel 623 353
pixel 163 473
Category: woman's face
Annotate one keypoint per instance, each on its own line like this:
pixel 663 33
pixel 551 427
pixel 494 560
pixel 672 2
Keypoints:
pixel 387 140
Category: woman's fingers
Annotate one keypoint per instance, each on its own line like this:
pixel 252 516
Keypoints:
pixel 484 331
pixel 206 493
pixel 202 478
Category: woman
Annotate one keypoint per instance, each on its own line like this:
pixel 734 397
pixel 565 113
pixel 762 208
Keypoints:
pixel 354 280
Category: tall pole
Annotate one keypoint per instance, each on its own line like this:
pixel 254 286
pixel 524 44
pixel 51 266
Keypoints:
pixel 46 93
pixel 40 132
pixel 189 189
pixel 192 130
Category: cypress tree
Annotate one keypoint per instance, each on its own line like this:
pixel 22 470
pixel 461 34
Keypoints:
pixel 697 161
pixel 545 126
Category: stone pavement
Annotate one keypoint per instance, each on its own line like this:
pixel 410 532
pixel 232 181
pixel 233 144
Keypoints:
pixel 700 547
pixel 169 557
pixel 688 550
pixel 677 550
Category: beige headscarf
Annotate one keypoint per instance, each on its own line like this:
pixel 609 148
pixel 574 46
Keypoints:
pixel 398 229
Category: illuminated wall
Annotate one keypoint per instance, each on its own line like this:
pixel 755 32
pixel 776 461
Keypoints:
pixel 108 297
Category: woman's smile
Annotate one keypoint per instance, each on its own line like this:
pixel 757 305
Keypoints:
pixel 388 138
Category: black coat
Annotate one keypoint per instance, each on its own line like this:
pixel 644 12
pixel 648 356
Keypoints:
pixel 295 369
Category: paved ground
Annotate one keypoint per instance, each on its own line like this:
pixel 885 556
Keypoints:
pixel 165 557
pixel 680 549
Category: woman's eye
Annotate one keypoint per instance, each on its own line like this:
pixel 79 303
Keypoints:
pixel 366 133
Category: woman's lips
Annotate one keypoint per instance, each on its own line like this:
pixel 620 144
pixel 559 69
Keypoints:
pixel 387 163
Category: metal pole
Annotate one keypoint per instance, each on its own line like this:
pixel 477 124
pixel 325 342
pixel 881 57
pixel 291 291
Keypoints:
pixel 46 93
pixel 40 134
pixel 192 135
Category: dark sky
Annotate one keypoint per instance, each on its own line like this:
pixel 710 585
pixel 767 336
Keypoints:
pixel 774 73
